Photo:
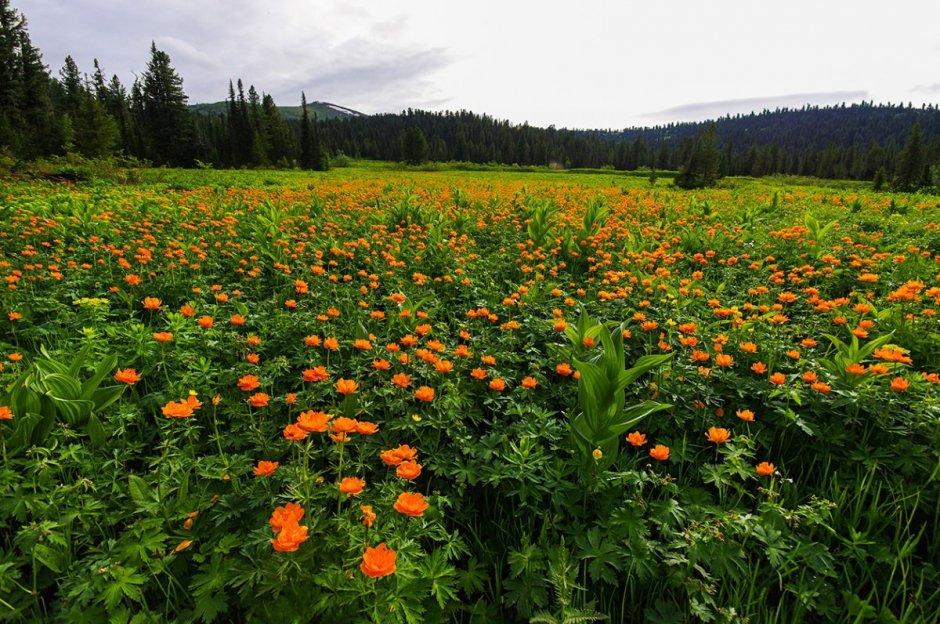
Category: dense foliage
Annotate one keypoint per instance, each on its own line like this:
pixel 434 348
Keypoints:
pixel 357 396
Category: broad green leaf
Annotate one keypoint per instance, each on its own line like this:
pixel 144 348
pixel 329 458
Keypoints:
pixel 96 431
pixel 106 366
pixel 62 386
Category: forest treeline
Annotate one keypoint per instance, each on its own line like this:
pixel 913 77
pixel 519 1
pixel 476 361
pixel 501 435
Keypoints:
pixel 42 115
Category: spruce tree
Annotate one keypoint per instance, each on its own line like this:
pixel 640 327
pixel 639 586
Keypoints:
pixel 912 164
pixel 306 149
pixel 703 162
pixel 414 147
pixel 165 120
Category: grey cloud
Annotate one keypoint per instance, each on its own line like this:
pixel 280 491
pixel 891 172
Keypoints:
pixel 928 89
pixel 279 47
pixel 719 108
pixel 372 82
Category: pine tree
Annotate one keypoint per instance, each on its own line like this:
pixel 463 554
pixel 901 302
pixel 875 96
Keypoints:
pixel 165 120
pixel 319 160
pixel 912 164
pixel 306 149
pixel 414 147
pixel 702 164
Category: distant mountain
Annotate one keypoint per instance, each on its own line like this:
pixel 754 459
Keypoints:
pixel 323 110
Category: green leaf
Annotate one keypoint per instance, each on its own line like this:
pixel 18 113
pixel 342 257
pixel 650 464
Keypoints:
pixel 103 397
pixel 62 387
pixel 141 493
pixel 210 606
pixel 633 415
pixel 642 365
pixel 75 413
pixel 96 431
pixel 52 559
pixel 104 369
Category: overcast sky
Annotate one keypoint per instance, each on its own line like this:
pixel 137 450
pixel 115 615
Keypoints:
pixel 586 64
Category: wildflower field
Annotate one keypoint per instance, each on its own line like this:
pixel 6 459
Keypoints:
pixel 467 397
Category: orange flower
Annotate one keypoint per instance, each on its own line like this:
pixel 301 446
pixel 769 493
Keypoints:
pixel 700 356
pixel 563 369
pixel 187 310
pixel 331 344
pixel 497 384
pixel 152 303
pixel 899 384
pixel 401 380
pixel 316 374
pixel 777 379
pixel 636 438
pixel 248 383
pixel 291 513
pixel 265 468
pixel 5 413
pixel 362 344
pixel 759 367
pixel 163 336
pixel 366 428
pixel 660 452
pixel 529 383
pixel 810 377
pixel 396 456
pixel 127 375
pixel 723 359
pixel 855 369
pixel 345 425
pixel 253 358
pixel 351 485
pixel 346 386
pixel 313 421
pixel 748 347
pixel 381 364
pixel 378 562
pixel 718 435
pixel 368 516
pixel 14 316
pixel 205 322
pixel 408 470
pixel 178 409
pixel 765 469
pixel 259 399
pixel 478 374
pixel 290 538
pixel 746 415
pixel 821 387
pixel 411 504
pixel 294 432
pixel 424 393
